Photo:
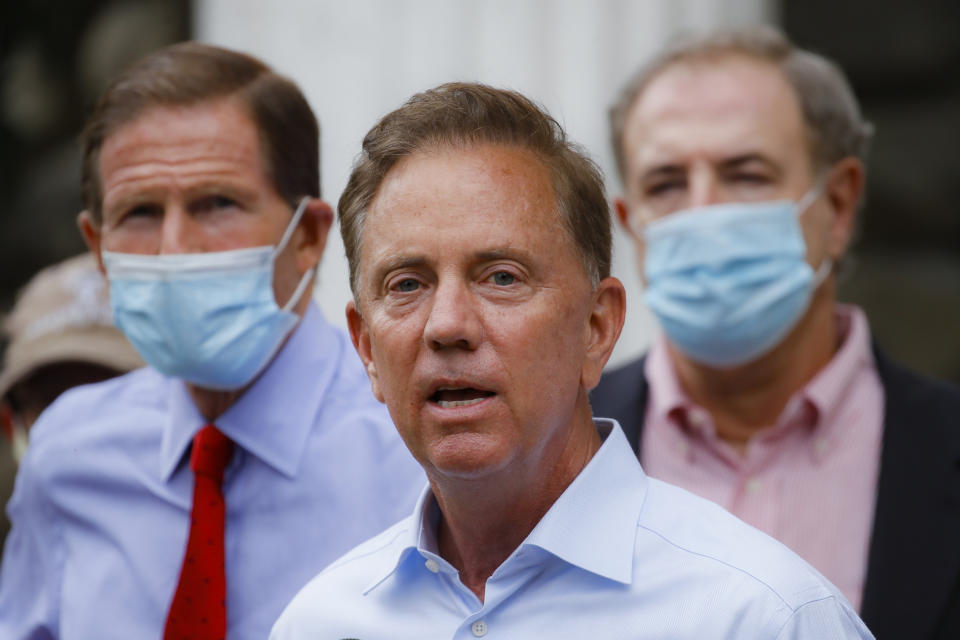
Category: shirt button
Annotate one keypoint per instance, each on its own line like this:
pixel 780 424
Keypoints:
pixel 479 628
pixel 753 486
pixel 432 565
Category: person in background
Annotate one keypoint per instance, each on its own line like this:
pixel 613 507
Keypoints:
pixel 479 245
pixel 193 497
pixel 743 165
pixel 59 335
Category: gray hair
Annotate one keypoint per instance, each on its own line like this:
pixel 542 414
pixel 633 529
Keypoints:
pixel 835 126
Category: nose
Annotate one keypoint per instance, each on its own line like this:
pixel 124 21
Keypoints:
pixel 178 233
pixel 453 321
pixel 704 187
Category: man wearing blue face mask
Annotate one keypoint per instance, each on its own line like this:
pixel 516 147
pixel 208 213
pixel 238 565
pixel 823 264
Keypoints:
pixel 194 497
pixel 742 160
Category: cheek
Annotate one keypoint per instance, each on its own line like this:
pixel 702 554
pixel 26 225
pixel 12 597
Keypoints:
pixel 640 255
pixel 815 225
pixel 543 348
pixel 286 276
pixel 393 348
pixel 142 241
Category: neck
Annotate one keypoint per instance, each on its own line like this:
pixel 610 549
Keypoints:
pixel 485 520
pixel 748 398
pixel 211 403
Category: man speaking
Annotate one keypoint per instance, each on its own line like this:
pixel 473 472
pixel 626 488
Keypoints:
pixel 479 246
pixel 193 498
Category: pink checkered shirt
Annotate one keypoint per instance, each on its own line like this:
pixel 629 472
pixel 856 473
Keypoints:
pixel 809 480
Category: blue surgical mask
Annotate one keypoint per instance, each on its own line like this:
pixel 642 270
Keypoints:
pixel 728 282
pixel 208 318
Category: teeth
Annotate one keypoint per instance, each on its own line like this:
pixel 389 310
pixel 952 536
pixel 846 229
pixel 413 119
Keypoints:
pixel 449 404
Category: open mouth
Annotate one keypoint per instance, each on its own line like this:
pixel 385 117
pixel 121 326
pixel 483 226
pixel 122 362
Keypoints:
pixel 448 398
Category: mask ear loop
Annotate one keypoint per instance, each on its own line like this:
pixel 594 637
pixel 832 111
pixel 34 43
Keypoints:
pixel 826 264
pixel 302 285
pixel 292 226
pixel 810 196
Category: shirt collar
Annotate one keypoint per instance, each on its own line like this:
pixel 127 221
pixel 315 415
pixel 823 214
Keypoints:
pixel 823 394
pixel 827 390
pixel 666 394
pixel 273 418
pixel 592 525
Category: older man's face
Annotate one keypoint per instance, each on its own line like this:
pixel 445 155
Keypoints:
pixel 727 130
pixel 192 179
pixel 473 309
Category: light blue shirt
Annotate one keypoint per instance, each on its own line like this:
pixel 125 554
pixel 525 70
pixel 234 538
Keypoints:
pixel 617 556
pixel 102 503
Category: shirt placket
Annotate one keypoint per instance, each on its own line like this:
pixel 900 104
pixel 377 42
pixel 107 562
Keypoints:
pixel 481 618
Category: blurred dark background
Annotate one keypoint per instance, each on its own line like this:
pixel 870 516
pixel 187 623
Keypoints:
pixel 56 57
pixel 903 60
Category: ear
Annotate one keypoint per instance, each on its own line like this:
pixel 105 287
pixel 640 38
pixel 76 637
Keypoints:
pixel 623 214
pixel 603 329
pixel 311 237
pixel 639 245
pixel 91 235
pixel 360 336
pixel 843 190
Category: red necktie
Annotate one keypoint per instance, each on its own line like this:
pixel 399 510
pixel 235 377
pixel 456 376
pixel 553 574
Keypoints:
pixel 199 607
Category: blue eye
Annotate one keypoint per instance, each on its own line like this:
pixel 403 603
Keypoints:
pixel 503 278
pixel 407 285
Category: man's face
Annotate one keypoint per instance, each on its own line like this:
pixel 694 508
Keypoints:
pixel 727 130
pixel 475 310
pixel 192 179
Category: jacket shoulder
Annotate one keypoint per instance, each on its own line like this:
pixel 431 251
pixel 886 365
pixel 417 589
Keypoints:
pixel 616 383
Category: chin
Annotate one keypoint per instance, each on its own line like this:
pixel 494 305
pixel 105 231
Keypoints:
pixel 468 456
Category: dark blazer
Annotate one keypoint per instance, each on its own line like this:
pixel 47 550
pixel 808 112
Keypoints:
pixel 912 590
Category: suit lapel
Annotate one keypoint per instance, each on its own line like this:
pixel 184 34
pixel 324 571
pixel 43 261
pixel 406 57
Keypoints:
pixel 914 558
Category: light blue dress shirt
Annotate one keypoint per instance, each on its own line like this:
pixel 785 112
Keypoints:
pixel 102 503
pixel 618 556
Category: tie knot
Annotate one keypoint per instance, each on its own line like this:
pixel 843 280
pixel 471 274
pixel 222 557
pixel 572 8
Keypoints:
pixel 211 453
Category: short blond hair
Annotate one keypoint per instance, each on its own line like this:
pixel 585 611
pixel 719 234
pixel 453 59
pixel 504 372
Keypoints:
pixel 463 114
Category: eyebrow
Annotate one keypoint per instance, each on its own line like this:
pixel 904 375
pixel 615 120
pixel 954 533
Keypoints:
pixel 662 171
pixel 489 255
pixel 395 262
pixel 112 205
pixel 130 196
pixel 746 158
pixel 398 261
pixel 674 169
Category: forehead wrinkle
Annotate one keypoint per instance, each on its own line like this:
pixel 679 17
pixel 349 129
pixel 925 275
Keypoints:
pixel 210 139
pixel 740 92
